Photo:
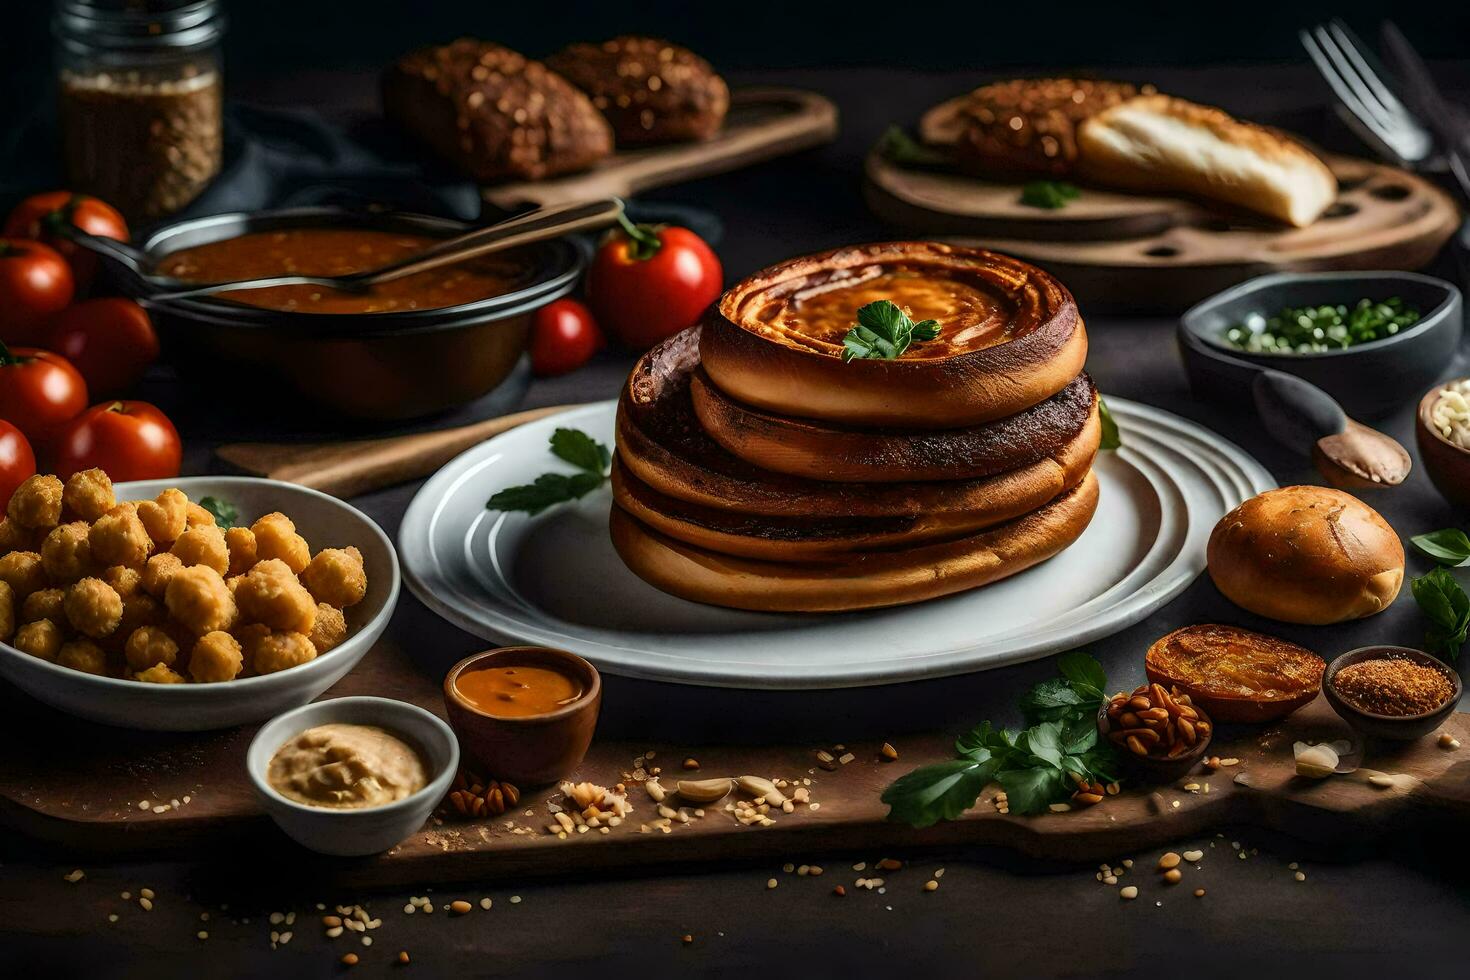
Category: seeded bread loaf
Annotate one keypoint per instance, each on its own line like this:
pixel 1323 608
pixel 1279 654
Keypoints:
pixel 650 90
pixel 493 113
pixel 1021 127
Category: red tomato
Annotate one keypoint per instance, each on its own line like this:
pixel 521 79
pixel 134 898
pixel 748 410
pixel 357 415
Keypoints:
pixel 111 341
pixel 563 338
pixel 35 284
pixel 17 462
pixel 41 215
pixel 649 283
pixel 130 440
pixel 39 392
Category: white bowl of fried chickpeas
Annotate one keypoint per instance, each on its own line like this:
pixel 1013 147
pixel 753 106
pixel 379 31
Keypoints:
pixel 186 604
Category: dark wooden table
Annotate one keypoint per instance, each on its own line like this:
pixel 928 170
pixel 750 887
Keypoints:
pixel 1356 914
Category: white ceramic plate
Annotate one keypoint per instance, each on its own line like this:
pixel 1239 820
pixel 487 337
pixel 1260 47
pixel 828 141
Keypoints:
pixel 555 579
pixel 325 522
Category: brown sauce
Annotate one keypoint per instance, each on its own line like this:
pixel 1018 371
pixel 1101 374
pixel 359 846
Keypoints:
pixel 517 691
pixel 337 252
pixel 970 315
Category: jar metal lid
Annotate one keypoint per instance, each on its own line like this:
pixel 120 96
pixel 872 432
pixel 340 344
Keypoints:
pixel 86 25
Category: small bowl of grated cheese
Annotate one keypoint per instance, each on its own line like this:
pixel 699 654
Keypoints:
pixel 1442 431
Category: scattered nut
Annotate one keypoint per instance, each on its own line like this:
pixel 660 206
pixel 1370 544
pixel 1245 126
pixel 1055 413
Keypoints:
pixel 761 788
pixel 1129 892
pixel 888 752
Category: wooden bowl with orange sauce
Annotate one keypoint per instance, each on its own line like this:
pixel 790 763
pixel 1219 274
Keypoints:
pixel 523 714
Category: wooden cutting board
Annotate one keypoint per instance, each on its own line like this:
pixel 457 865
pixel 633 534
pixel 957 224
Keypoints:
pixel 762 123
pixel 1167 253
pixel 80 785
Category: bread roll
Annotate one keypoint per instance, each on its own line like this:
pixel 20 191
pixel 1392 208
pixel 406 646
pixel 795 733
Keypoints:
pixel 1159 144
pixel 1022 127
pixel 493 113
pixel 651 91
pixel 1307 555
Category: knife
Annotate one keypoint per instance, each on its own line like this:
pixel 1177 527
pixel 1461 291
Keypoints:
pixel 1442 116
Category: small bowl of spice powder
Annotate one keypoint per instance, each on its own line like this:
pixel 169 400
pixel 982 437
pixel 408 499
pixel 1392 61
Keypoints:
pixel 1391 692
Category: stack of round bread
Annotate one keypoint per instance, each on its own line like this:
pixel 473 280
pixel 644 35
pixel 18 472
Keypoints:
pixel 757 469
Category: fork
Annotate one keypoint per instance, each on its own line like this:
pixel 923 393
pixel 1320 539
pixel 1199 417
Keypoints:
pixel 1376 114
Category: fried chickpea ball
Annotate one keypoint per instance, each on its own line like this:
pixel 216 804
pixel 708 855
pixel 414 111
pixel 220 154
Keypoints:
pixel 281 651
pixel 216 657
pixel 23 572
pixel 158 571
pixel 44 604
pixel 36 503
pixel 149 645
pixel 7 611
pixel 330 628
pixel 41 639
pixel 93 608
pixel 197 516
pixel 271 595
pixel 336 577
pixel 159 674
pixel 119 538
pixel 66 554
pixel 83 655
pixel 124 580
pixel 166 517
pixel 203 545
pixel 88 494
pixel 241 542
pixel 13 537
pixel 276 537
pixel 139 610
pixel 199 601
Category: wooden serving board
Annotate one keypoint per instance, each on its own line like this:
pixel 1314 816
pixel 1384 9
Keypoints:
pixel 80 785
pixel 762 123
pixel 1167 253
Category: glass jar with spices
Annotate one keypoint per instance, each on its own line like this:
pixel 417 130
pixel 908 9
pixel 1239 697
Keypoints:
pixel 140 100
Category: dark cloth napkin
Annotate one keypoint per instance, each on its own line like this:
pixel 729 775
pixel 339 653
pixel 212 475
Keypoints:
pixel 278 158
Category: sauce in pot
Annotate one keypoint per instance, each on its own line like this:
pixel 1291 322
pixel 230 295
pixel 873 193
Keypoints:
pixel 337 252
pixel 518 690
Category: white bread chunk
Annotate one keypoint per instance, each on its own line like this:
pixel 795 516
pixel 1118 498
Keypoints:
pixel 1161 144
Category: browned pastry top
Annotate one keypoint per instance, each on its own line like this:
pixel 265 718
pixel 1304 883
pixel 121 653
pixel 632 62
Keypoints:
pixel 651 90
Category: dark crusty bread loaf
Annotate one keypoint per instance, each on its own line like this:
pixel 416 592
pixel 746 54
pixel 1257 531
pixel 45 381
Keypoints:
pixel 1022 127
pixel 493 113
pixel 650 90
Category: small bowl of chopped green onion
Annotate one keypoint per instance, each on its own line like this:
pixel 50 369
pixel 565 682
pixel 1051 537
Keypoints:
pixel 1372 340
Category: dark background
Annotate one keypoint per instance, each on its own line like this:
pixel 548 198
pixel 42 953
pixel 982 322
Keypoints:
pixel 269 36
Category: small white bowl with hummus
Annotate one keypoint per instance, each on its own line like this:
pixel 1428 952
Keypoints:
pixel 352 776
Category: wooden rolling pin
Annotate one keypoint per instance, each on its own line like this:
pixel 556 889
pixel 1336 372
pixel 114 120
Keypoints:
pixel 346 469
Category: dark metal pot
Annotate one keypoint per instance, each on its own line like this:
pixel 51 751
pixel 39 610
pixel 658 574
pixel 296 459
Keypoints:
pixel 371 366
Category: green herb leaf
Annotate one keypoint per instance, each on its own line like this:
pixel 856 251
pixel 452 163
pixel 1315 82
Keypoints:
pixel 1111 438
pixel 942 791
pixel 581 450
pixel 983 738
pixel 573 446
pixel 1447 607
pixel 1049 194
pixel 1032 790
pixel 1449 547
pixel 1049 701
pixel 225 513
pixel 883 332
pixel 1084 673
pixel 901 148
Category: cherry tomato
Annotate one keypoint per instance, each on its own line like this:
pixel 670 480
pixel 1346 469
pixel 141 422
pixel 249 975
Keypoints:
pixel 111 341
pixel 40 392
pixel 17 461
pixel 130 440
pixel 563 338
pixel 35 284
pixel 41 216
pixel 647 283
